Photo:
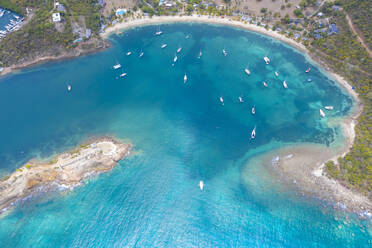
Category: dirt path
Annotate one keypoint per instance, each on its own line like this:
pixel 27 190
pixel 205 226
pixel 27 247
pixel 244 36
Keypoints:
pixel 353 29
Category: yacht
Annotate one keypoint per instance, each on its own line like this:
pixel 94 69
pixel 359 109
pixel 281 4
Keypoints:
pixel 117 66
pixel 241 99
pixel 179 49
pixel 265 84
pixel 123 74
pixel 247 71
pixel 175 58
pixel 200 54
pixel 267 60
pixel 164 45
pixel 221 100
pixel 68 87
pixel 328 107
pixel 308 70
pixel 224 52
pixel 129 53
pixel 185 79
pixel 276 74
pixel 322 114
pixel 253 134
pixel 201 185
pixel 285 84
pixel 141 54
pixel 253 110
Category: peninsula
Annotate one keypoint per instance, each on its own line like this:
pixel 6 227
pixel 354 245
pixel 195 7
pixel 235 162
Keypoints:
pixel 66 170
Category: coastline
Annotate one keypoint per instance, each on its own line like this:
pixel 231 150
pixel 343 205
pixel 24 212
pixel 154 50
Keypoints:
pixel 348 123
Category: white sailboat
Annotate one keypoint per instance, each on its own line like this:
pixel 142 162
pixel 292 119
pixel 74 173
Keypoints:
pixel 247 71
pixel 265 84
pixel 185 79
pixel 322 114
pixel 179 49
pixel 276 74
pixel 285 84
pixel 253 110
pixel 253 134
pixel 241 99
pixel 68 88
pixel 129 53
pixel 117 66
pixel 200 54
pixel 328 107
pixel 201 185
pixel 164 46
pixel 267 60
pixel 224 52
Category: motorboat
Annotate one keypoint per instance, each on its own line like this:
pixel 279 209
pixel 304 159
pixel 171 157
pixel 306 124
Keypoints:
pixel 276 74
pixel 200 54
pixel 328 107
pixel 129 53
pixel 241 99
pixel 201 185
pixel 179 49
pixel 224 52
pixel 253 134
pixel 69 88
pixel 221 100
pixel 285 84
pixel 247 71
pixel 175 58
pixel 322 114
pixel 265 84
pixel 267 60
pixel 140 55
pixel 253 110
pixel 164 46
pixel 185 79
pixel 308 70
pixel 117 66
pixel 123 74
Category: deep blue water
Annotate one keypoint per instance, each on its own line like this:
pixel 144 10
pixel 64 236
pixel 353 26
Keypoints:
pixel 182 134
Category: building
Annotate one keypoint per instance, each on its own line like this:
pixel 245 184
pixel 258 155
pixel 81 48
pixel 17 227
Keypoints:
pixel 60 7
pixel 56 17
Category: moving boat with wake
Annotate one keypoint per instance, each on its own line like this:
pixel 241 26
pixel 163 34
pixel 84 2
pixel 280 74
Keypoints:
pixel 253 134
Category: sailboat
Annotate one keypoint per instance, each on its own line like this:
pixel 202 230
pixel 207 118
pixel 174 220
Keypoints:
pixel 201 185
pixel 68 88
pixel 322 114
pixel 140 55
pixel 253 134
pixel 267 60
pixel 164 46
pixel 253 110
pixel 185 79
pixel 200 54
pixel 285 84
pixel 179 49
pixel 241 99
pixel 224 52
pixel 276 74
pixel 328 107
pixel 247 71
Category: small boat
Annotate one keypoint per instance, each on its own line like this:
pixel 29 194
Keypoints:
pixel 140 55
pixel 201 185
pixel 247 71
pixel 265 84
pixel 276 74
pixel 308 70
pixel 129 53
pixel 285 84
pixel 309 80
pixel 117 66
pixel 179 49
pixel 253 110
pixel 185 79
pixel 221 100
pixel 68 88
pixel 123 74
pixel 253 134
pixel 187 36
pixel 158 32
pixel 267 60
pixel 328 107
pixel 175 58
pixel 241 99
pixel 164 45
pixel 224 52
pixel 322 114
pixel 200 54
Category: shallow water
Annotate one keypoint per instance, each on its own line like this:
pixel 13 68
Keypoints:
pixel 182 134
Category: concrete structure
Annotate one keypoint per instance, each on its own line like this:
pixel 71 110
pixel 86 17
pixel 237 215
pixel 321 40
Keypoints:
pixel 56 17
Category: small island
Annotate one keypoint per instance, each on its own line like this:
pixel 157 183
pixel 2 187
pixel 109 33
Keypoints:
pixel 66 170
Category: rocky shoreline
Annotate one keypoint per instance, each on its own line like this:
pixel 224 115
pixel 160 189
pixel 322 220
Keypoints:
pixel 66 170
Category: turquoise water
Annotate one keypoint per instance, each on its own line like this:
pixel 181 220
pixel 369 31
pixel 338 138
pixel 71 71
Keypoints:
pixel 182 134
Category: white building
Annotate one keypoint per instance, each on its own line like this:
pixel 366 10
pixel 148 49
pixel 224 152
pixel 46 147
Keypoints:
pixel 56 17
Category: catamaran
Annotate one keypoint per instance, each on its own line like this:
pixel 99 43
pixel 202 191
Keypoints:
pixel 123 74
pixel 253 110
pixel 179 49
pixel 68 87
pixel 185 79
pixel 267 60
pixel 241 99
pixel 117 66
pixel 322 114
pixel 285 84
pixel 253 134
pixel 129 53
pixel 265 84
pixel 276 74
pixel 200 54
pixel 308 70
pixel 247 71
pixel 164 45
pixel 201 185
pixel 141 54
pixel 224 52
pixel 328 107
pixel 221 100
pixel 175 58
